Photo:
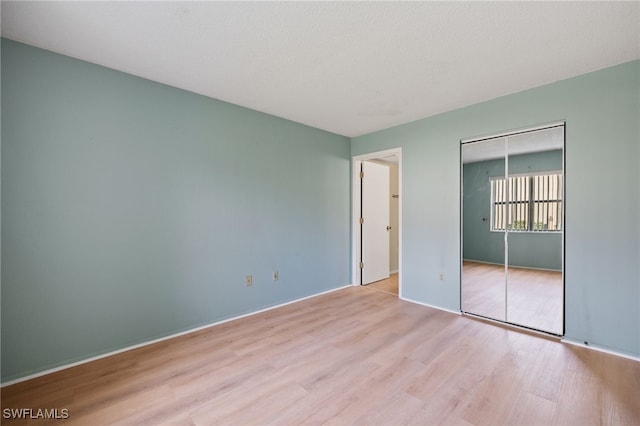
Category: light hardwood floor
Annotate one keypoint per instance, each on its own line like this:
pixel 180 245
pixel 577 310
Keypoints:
pixel 354 356
pixel 534 297
pixel 389 285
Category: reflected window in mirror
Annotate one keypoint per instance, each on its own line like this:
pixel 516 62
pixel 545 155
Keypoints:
pixel 527 203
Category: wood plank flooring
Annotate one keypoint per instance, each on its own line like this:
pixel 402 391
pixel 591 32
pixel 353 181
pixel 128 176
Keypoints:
pixel 350 357
pixel 389 285
pixel 534 297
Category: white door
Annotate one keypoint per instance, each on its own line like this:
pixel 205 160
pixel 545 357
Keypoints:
pixel 375 222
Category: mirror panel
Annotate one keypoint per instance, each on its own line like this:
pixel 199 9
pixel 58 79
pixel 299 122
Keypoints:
pixel 483 248
pixel 534 232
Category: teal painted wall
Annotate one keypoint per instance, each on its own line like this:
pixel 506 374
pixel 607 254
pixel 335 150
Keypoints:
pixel 533 250
pixel 132 210
pixel 602 177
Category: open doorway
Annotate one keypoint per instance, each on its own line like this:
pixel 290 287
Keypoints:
pixel 377 225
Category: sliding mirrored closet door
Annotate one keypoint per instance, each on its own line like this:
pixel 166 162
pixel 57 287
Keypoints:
pixel 512 228
pixel 484 264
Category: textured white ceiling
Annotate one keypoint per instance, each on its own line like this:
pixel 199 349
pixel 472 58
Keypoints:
pixel 349 68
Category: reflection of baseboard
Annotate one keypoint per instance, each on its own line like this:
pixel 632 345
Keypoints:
pixel 534 268
pixel 482 261
pixel 512 266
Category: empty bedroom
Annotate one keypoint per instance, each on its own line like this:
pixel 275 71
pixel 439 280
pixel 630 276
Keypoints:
pixel 306 213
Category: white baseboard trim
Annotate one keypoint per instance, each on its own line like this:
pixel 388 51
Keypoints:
pixel 161 339
pixel 483 262
pixel 431 306
pixel 512 266
pixel 600 349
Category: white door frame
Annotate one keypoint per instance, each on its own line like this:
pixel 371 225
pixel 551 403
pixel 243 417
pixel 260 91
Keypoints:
pixel 355 212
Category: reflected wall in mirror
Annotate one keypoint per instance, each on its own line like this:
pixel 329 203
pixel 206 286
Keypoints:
pixel 512 200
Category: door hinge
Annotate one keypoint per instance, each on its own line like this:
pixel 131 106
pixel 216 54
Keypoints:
pixel 361 265
pixel 361 220
pixel 361 175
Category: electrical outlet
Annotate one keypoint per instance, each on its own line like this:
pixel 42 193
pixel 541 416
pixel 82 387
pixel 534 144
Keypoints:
pixel 248 280
pixel 276 276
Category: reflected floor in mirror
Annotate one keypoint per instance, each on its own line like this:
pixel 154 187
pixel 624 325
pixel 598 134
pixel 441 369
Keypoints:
pixel 534 297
